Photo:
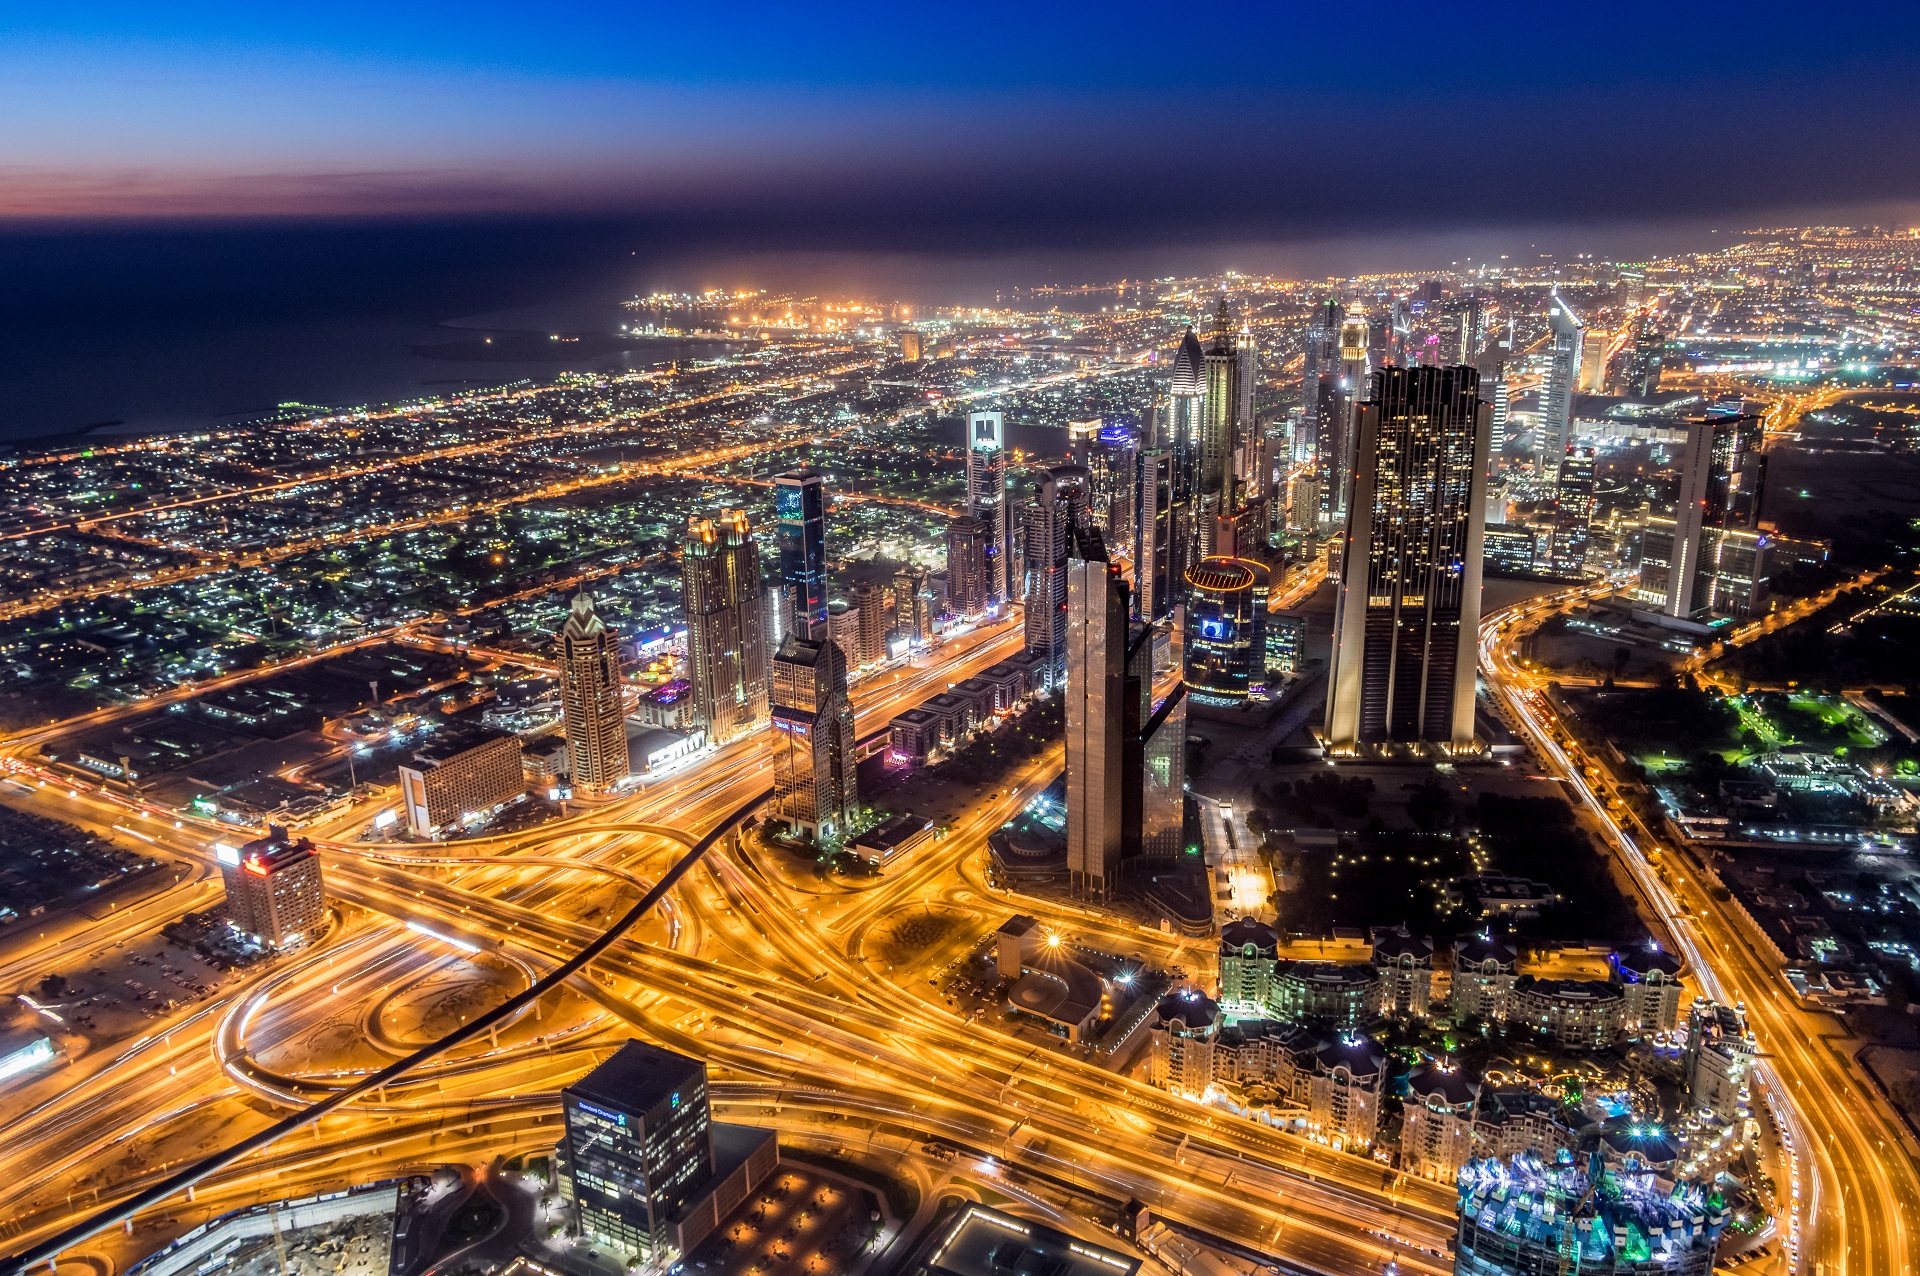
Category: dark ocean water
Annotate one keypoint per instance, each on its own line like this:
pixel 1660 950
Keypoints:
pixel 166 329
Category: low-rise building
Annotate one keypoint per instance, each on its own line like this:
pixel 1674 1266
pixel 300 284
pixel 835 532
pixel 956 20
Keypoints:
pixel 1511 1123
pixel 1720 1051
pixel 1484 973
pixel 1650 979
pixel 1437 1122
pixel 1338 994
pixel 1405 963
pixel 1576 1014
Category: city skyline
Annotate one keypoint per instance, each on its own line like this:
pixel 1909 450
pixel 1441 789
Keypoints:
pixel 1139 753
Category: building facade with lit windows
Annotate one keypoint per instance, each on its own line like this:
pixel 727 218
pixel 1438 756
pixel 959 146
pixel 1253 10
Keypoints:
pixel 1484 973
pixel 275 890
pixel 988 501
pixel 726 640
pixel 815 789
pixel 1565 350
pixel 592 706
pixel 1576 1014
pixel 1224 639
pixel 1155 585
pixel 800 511
pixel 648 1172
pixel 1343 1097
pixel 460 777
pixel 1405 963
pixel 1711 556
pixel 1094 659
pixel 966 568
pixel 1407 613
pixel 1437 1122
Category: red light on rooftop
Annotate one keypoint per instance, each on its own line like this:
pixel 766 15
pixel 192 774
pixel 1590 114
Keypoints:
pixel 254 864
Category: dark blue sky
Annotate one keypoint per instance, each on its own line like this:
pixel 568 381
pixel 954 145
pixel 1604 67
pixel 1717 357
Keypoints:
pixel 980 122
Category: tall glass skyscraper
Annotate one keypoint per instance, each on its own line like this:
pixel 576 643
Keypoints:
pixel 1154 546
pixel 987 501
pixel 592 711
pixel 726 648
pixel 638 1144
pixel 1224 640
pixel 1564 354
pixel 1408 609
pixel 800 505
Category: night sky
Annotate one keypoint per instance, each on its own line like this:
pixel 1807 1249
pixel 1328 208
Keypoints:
pixel 976 121
pixel 208 209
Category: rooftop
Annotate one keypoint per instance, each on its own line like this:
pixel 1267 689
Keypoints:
pixel 638 1077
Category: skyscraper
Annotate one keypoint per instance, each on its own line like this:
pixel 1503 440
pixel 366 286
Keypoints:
pixel 987 501
pixel 1153 537
pixel 726 650
pixel 966 567
pixel 800 505
pixel 275 891
pixel 1710 555
pixel 591 705
pixel 1564 354
pixel 815 789
pixel 1110 464
pixel 1186 409
pixel 638 1145
pixel 1501 400
pixel 1334 447
pixel 1224 643
pixel 1573 515
pixel 1408 608
pixel 1096 649
pixel 1049 519
pixel 1319 369
pixel 1644 366
pixel 1213 447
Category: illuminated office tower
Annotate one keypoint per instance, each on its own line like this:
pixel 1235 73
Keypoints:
pixel 1573 497
pixel 800 505
pixel 1644 367
pixel 1593 361
pixel 1408 608
pixel 1335 445
pixel 815 789
pixel 1056 509
pixel 1710 554
pixel 1110 464
pixel 913 605
pixel 1223 639
pixel 591 705
pixel 1501 400
pixel 1213 447
pixel 1319 371
pixel 637 1145
pixel 726 650
pixel 1246 379
pixel 1154 547
pixel 275 891
pixel 1564 353
pixel 966 567
pixel 987 501
pixel 1187 408
pixel 1095 671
